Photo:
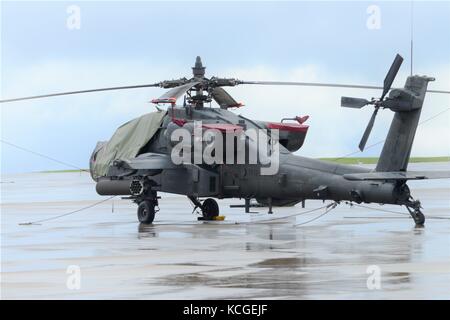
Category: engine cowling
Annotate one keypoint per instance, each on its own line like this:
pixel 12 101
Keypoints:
pixel 291 135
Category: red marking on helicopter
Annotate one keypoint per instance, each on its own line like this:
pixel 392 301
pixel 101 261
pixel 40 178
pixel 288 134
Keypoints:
pixel 237 105
pixel 164 100
pixel 293 127
pixel 224 127
pixel 301 120
pixel 179 122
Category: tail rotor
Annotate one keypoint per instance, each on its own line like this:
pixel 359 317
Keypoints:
pixel 349 102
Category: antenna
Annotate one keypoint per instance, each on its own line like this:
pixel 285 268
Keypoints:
pixel 412 34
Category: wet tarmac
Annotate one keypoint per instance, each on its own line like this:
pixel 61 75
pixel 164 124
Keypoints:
pixel 179 257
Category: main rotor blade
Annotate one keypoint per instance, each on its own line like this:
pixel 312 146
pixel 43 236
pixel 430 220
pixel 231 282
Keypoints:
pixel 173 94
pixel 81 91
pixel 159 84
pixel 390 76
pixel 309 84
pixel 349 102
pixel 369 127
pixel 439 91
pixel 224 99
pixel 319 84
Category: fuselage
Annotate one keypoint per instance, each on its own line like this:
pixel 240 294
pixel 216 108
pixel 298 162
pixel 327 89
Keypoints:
pixel 296 178
pixel 301 178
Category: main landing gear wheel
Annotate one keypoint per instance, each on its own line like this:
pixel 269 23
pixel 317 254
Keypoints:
pixel 210 208
pixel 146 212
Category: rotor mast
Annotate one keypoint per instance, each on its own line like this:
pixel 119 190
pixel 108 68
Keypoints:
pixel 198 71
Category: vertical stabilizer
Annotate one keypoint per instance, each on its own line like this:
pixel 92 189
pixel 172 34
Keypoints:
pixel 407 105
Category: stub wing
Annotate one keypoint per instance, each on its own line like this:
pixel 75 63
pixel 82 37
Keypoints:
pixel 151 161
pixel 399 175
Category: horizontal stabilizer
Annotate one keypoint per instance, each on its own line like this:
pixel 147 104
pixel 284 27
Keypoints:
pixel 399 175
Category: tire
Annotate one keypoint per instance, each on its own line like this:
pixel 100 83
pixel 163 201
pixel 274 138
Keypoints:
pixel 419 218
pixel 146 212
pixel 210 208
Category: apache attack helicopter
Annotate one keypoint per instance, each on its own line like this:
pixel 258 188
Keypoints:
pixel 136 162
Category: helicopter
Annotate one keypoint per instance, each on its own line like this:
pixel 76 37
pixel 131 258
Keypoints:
pixel 138 161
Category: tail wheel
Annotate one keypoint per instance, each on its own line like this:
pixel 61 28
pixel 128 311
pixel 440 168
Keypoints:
pixel 419 218
pixel 210 208
pixel 146 212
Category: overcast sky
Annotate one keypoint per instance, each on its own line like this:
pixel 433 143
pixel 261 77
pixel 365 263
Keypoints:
pixel 124 43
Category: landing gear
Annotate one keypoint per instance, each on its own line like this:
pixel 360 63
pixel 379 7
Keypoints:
pixel 414 207
pixel 419 217
pixel 209 207
pixel 146 198
pixel 146 211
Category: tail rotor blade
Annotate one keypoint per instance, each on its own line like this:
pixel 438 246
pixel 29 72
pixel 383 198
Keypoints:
pixel 390 76
pixel 349 102
pixel 369 127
